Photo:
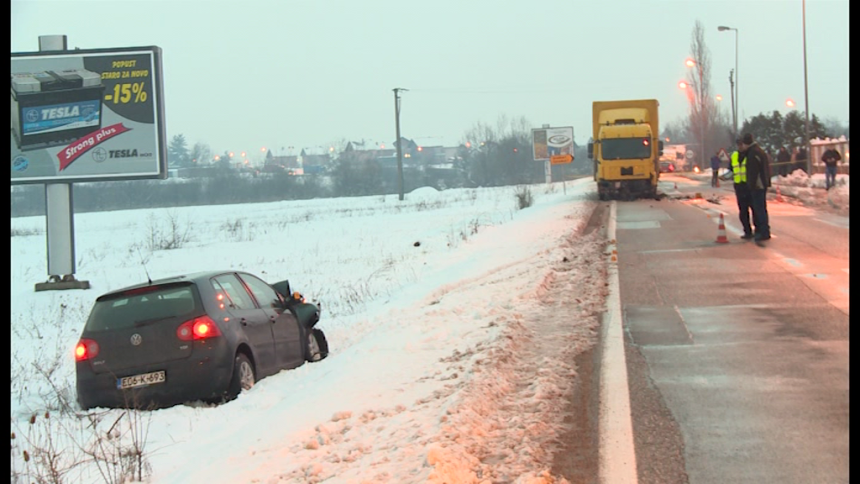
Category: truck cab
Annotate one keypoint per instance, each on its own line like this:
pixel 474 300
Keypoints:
pixel 626 149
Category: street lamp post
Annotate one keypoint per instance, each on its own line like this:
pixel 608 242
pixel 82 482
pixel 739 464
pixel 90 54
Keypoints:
pixel 723 28
pixel 806 97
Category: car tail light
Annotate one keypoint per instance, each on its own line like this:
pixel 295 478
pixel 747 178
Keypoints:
pixel 198 328
pixel 86 349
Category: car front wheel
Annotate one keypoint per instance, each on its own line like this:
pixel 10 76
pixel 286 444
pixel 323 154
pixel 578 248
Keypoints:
pixel 317 345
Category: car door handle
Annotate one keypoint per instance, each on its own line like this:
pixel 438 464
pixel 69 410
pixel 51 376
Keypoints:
pixel 273 319
pixel 243 321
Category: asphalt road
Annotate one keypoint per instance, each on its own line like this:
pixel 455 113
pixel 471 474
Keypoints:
pixel 737 355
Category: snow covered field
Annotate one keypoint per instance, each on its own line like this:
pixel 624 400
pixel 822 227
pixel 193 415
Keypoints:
pixel 452 319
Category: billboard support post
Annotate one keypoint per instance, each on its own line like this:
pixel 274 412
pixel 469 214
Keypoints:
pixel 59 218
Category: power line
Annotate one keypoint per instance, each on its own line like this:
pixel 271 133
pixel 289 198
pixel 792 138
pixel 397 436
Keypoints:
pixel 530 90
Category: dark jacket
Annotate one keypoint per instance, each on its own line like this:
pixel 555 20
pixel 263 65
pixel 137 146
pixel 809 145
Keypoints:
pixel 715 162
pixel 758 168
pixel 831 157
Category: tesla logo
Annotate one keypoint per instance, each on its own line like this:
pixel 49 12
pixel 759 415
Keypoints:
pixel 136 339
pixel 100 154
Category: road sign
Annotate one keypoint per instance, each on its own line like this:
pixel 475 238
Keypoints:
pixel 560 159
pixel 723 156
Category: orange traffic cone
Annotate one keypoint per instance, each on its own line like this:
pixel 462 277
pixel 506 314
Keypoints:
pixel 721 232
pixel 778 195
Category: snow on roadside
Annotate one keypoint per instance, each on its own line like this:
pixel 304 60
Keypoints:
pixel 498 411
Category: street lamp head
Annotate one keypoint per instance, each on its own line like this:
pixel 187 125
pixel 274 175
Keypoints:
pixel 682 85
pixel 690 62
pixel 723 28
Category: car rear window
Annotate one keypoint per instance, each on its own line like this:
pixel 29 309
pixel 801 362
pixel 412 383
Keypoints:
pixel 143 306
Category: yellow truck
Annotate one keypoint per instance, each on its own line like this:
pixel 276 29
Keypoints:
pixel 626 148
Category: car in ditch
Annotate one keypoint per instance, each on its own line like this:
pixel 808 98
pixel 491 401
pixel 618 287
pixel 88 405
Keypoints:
pixel 198 337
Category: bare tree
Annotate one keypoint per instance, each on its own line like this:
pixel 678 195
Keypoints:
pixel 200 154
pixel 703 112
pixel 500 155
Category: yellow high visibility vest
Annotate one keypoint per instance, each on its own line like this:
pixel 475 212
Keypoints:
pixel 739 168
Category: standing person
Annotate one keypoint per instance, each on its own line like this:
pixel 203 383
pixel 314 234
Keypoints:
pixel 830 157
pixel 715 169
pixel 738 174
pixel 758 180
pixel 801 159
pixel 783 159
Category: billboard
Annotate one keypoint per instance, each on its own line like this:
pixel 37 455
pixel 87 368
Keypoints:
pixel 87 115
pixel 549 142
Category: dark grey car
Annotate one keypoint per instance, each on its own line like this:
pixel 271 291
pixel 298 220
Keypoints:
pixel 197 337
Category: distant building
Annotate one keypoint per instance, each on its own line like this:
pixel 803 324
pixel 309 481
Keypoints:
pixel 314 163
pixel 356 152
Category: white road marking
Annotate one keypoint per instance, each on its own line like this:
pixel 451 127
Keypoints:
pixel 617 453
pixel 835 224
pixel 657 251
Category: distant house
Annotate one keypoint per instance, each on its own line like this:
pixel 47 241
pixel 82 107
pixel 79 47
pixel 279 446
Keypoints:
pixel 281 164
pixel 314 163
pixel 355 152
pixel 413 154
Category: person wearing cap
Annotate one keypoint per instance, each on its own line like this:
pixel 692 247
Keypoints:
pixel 738 174
pixel 715 169
pixel 758 181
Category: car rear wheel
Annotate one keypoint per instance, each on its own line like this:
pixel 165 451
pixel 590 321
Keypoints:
pixel 317 345
pixel 243 376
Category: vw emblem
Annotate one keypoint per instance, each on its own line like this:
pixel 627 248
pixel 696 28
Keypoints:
pixel 136 339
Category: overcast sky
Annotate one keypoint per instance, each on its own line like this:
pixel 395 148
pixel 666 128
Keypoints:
pixel 241 75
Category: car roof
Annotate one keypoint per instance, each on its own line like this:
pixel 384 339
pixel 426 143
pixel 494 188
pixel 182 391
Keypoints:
pixel 193 277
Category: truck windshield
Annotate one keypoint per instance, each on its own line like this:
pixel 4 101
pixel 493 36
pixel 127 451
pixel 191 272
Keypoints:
pixel 625 148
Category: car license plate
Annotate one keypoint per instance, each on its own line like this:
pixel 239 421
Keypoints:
pixel 141 380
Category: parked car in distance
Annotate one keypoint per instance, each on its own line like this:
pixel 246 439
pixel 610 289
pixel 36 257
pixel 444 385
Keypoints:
pixel 667 167
pixel 198 337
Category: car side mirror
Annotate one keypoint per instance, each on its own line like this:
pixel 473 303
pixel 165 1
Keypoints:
pixel 590 150
pixel 660 147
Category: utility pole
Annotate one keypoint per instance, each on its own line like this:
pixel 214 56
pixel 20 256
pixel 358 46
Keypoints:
pixel 806 98
pixel 399 150
pixel 702 112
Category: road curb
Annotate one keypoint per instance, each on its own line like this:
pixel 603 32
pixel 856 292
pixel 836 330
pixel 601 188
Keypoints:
pixel 617 453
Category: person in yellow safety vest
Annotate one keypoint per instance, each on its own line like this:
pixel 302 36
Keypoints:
pixel 742 192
